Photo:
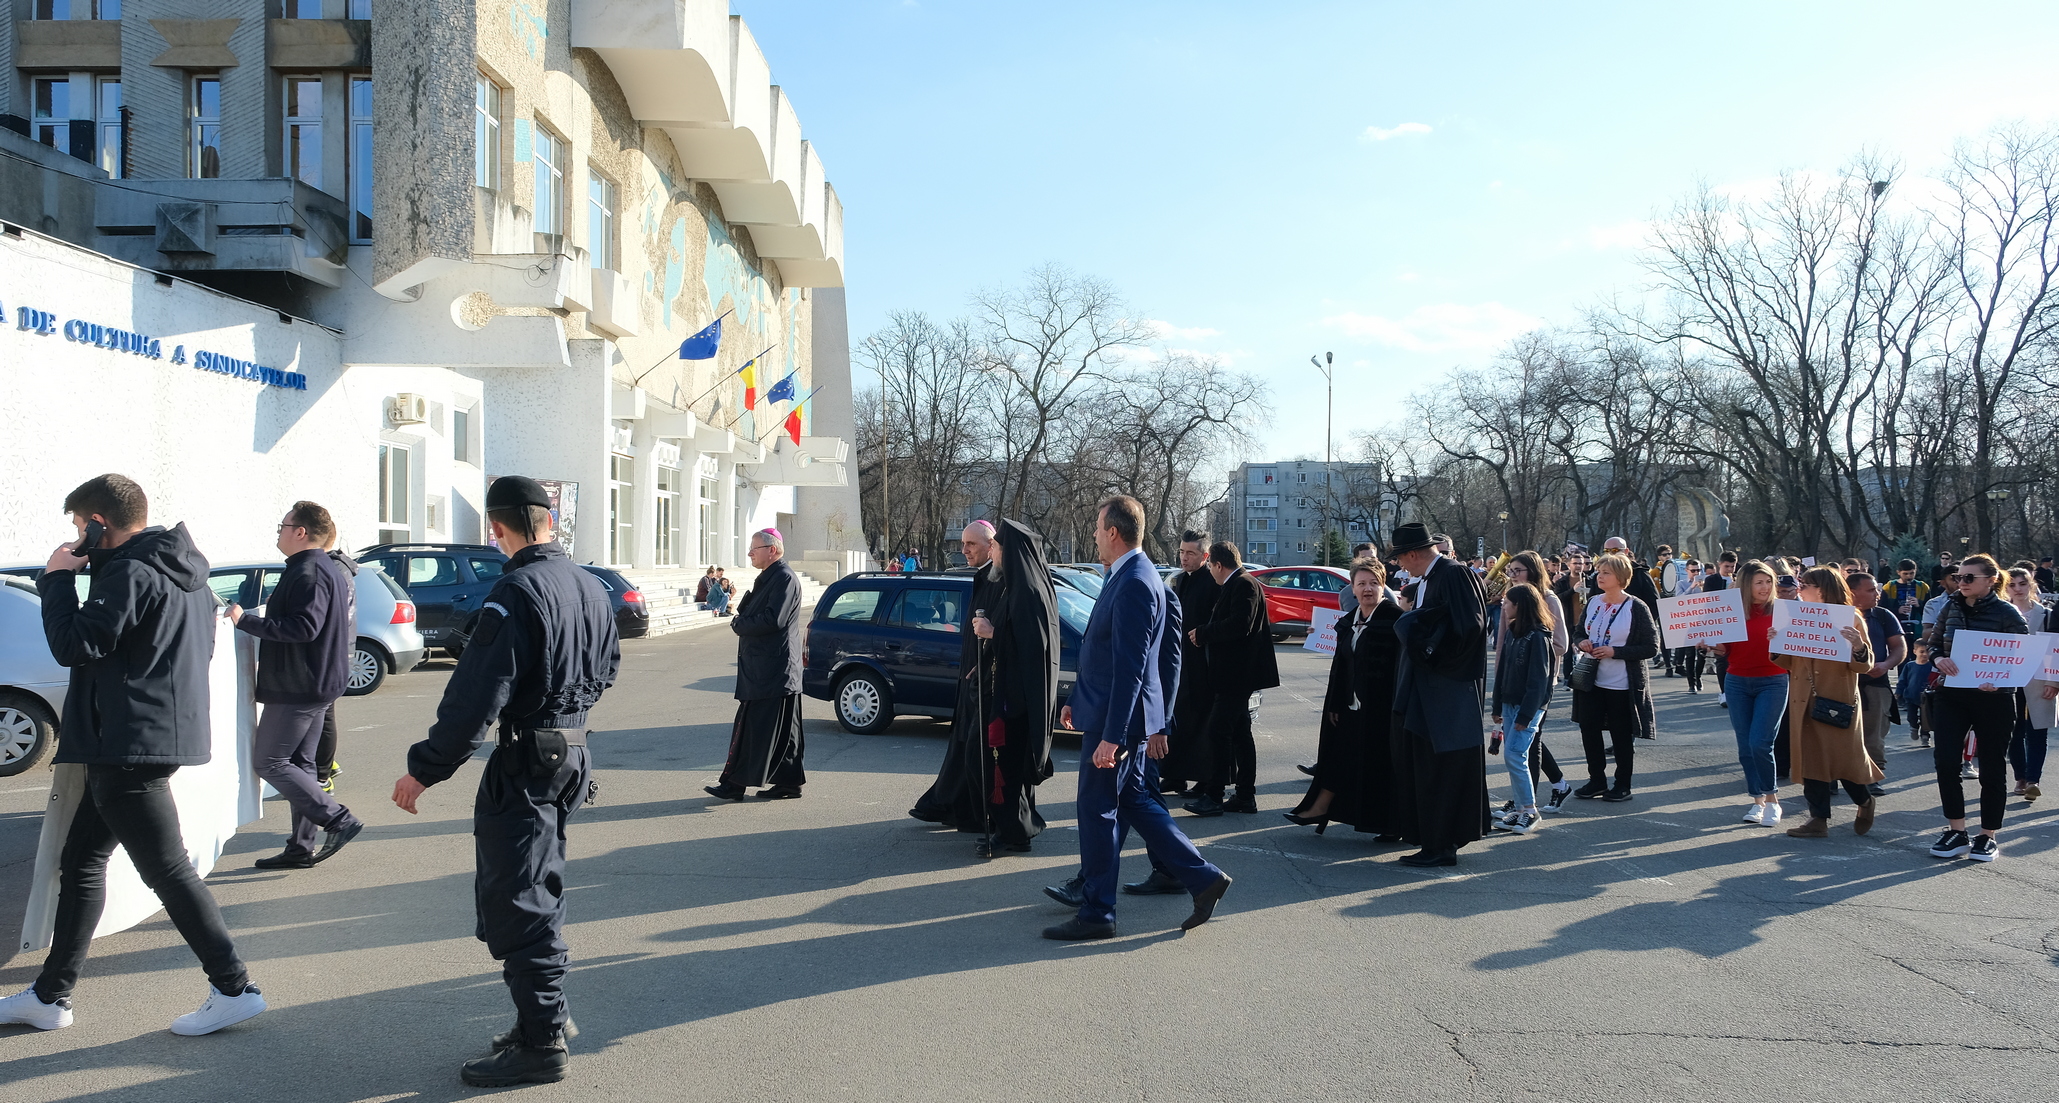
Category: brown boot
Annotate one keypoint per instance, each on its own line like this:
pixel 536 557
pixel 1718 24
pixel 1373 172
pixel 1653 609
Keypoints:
pixel 1816 828
pixel 1865 821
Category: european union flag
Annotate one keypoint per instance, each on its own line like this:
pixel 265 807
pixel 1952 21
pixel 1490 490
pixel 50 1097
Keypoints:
pixel 782 391
pixel 702 345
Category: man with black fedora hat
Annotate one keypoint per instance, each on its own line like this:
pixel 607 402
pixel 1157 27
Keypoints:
pixel 1439 756
pixel 543 652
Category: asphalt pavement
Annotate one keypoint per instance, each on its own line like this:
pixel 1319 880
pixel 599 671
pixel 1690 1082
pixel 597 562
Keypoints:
pixel 834 948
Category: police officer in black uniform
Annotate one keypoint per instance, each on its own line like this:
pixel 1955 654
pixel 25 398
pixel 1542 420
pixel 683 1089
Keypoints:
pixel 542 654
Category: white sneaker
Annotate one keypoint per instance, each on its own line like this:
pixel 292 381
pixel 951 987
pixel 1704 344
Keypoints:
pixel 220 1011
pixel 1771 816
pixel 27 1007
pixel 1755 814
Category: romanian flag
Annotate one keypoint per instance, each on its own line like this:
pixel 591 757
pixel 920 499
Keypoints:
pixel 750 375
pixel 793 426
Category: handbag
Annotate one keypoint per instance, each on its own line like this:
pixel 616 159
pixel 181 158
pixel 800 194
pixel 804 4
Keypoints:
pixel 1823 710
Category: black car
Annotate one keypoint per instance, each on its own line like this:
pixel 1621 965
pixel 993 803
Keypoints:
pixel 884 644
pixel 447 582
pixel 632 616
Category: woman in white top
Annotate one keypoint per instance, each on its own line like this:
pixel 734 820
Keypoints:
pixel 2036 713
pixel 1528 566
pixel 1622 637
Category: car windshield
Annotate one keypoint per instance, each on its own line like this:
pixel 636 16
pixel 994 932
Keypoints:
pixel 1074 608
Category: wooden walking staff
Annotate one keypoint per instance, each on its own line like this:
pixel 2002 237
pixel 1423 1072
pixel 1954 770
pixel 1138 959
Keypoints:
pixel 979 705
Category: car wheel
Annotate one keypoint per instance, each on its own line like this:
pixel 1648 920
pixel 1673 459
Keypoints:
pixel 27 731
pixel 367 669
pixel 863 705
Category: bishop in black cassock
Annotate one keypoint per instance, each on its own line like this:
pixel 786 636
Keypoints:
pixel 1021 634
pixel 953 800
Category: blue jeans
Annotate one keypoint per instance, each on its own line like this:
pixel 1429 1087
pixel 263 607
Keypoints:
pixel 1515 753
pixel 2027 750
pixel 1756 705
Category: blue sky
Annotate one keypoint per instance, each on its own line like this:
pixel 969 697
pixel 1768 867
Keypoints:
pixel 1407 185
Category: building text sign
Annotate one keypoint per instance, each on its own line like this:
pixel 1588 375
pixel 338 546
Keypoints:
pixel 44 323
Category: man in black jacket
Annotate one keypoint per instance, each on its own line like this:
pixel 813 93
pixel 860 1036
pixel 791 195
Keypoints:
pixel 303 665
pixel 765 744
pixel 1238 642
pixel 543 653
pixel 1440 756
pixel 136 711
pixel 1187 757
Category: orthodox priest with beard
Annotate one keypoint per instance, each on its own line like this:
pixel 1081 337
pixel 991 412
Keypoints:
pixel 1021 703
pixel 954 800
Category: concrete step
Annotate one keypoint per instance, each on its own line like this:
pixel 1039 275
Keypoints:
pixel 668 595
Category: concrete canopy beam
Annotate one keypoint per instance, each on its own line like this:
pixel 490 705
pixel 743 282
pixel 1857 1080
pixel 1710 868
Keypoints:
pixel 670 57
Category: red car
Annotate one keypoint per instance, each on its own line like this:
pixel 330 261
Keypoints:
pixel 1290 592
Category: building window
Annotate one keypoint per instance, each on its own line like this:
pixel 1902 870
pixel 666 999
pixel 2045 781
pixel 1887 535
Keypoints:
pixel 600 221
pixel 358 9
pixel 667 518
pixel 486 135
pixel 550 182
pixel 394 483
pixel 461 435
pixel 361 159
pixel 204 119
pixel 303 9
pixel 304 130
pixel 706 501
pixel 621 496
pixel 53 111
pixel 77 9
pixel 107 114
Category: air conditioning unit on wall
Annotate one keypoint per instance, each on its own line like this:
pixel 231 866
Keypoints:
pixel 407 409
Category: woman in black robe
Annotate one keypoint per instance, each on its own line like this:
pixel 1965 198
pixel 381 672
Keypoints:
pixel 1022 635
pixel 1354 774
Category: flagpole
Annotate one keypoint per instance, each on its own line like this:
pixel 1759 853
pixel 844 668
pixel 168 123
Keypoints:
pixel 674 355
pixel 727 378
pixel 782 421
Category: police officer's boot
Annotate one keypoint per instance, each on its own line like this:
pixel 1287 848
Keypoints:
pixel 519 1063
pixel 513 1035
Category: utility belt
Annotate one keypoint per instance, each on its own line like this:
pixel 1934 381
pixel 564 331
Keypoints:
pixel 537 752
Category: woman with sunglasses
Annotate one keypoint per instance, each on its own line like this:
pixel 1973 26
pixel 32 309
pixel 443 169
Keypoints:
pixel 2035 706
pixel 1986 711
pixel 1824 752
pixel 1756 688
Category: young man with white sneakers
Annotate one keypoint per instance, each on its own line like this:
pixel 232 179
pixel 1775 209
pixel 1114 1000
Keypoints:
pixel 136 711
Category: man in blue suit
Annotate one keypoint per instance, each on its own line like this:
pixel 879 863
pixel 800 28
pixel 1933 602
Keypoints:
pixel 1116 703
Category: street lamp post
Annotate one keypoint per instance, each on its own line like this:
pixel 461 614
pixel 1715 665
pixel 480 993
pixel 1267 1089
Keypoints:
pixel 1504 530
pixel 1329 489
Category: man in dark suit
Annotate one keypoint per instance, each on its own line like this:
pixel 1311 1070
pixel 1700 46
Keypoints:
pixel 1117 702
pixel 1187 757
pixel 1440 760
pixel 765 743
pixel 1238 638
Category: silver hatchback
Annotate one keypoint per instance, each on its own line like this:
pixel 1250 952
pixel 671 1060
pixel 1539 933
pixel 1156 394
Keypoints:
pixel 387 640
pixel 32 685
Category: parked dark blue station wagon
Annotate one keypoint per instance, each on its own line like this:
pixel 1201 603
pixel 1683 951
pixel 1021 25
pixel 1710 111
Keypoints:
pixel 883 644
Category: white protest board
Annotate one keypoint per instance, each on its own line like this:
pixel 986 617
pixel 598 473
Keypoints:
pixel 1992 658
pixel 1322 631
pixel 1697 618
pixel 213 801
pixel 1812 630
pixel 2050 669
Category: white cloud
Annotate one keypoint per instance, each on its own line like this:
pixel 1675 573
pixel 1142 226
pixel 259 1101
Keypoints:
pixel 1382 133
pixel 1440 327
pixel 1167 331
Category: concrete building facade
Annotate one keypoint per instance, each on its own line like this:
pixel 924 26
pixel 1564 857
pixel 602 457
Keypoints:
pixel 506 215
pixel 1277 512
